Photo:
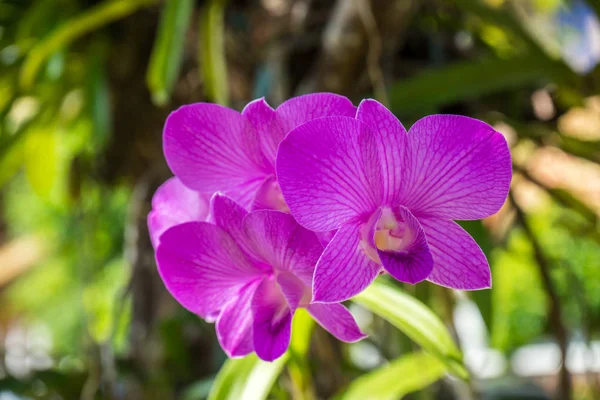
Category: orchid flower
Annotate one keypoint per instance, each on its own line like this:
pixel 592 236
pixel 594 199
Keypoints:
pixel 213 148
pixel 249 272
pixel 393 195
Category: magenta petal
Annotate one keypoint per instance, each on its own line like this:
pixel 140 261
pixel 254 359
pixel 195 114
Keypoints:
pixel 329 172
pixel 413 264
pixel 213 148
pixel 337 320
pixel 298 110
pixel 234 325
pixel 460 168
pixel 459 262
pixel 229 216
pixel 272 323
pixel 174 204
pixel 280 242
pixel 263 118
pixel 293 289
pixel 202 267
pixel 344 270
pixel 392 139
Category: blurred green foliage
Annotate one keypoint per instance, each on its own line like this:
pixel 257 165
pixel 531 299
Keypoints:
pixel 84 89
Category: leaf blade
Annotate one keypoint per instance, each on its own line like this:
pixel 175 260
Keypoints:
pixel 212 54
pixel 414 319
pixel 418 370
pixel 167 52
pixel 86 22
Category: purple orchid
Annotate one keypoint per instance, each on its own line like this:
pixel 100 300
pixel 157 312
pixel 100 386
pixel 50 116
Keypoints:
pixel 213 148
pixel 393 195
pixel 173 204
pixel 249 272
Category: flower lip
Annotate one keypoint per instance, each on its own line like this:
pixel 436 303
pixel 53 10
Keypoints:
pixel 385 230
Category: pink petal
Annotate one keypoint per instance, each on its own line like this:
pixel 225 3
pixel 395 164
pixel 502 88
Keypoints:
pixel 174 204
pixel 337 320
pixel 329 172
pixel 413 264
pixel 202 267
pixel 298 110
pixel 263 118
pixel 294 290
pixel 272 321
pixel 280 242
pixel 344 270
pixel 213 148
pixel 393 140
pixel 460 168
pixel 459 263
pixel 234 325
pixel 229 216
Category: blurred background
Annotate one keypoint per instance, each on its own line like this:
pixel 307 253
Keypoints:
pixel 86 85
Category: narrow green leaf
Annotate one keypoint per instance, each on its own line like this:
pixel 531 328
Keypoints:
pixel 212 54
pixel 298 367
pixel 97 97
pixel 248 377
pixel 416 320
pixel 167 53
pixel 465 80
pixel 84 23
pixel 404 375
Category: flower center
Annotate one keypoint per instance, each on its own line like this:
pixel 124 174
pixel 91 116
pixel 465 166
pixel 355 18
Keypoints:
pixel 385 231
pixel 391 233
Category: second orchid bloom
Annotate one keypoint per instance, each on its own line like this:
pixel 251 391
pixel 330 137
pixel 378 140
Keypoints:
pixel 317 171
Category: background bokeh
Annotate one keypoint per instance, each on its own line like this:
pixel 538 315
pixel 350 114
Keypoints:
pixel 85 87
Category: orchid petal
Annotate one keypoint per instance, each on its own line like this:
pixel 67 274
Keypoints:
pixel 344 270
pixel 392 138
pixel 293 289
pixel 173 204
pixel 460 168
pixel 264 119
pixel 459 262
pixel 280 242
pixel 298 110
pixel 213 148
pixel 413 264
pixel 329 172
pixel 272 321
pixel 229 215
pixel 337 320
pixel 202 267
pixel 234 325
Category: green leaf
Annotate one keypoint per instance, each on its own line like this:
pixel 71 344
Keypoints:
pixel 84 23
pixel 465 80
pixel 212 54
pixel 404 375
pixel 298 367
pixel 246 378
pixel 167 53
pixel 97 97
pixel 414 319
pixel 41 160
